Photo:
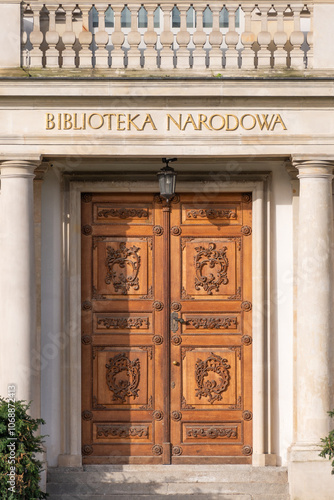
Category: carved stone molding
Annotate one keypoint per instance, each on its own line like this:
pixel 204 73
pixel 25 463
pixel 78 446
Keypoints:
pixel 177 450
pixel 158 230
pixel 176 340
pixel 158 415
pixel 157 305
pixel 247 415
pixel 176 231
pixel 246 306
pixel 206 388
pixel 157 339
pixel 121 431
pixel 214 260
pixel 176 415
pixel 87 415
pixel 128 385
pixel 86 339
pixel 157 450
pixel 87 449
pixel 176 306
pixel 246 340
pixel 121 258
pixel 86 230
pixel 247 450
pixel 246 230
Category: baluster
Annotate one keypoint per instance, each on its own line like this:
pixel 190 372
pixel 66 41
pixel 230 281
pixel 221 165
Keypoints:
pixel 101 39
pixel 280 39
pixel 248 38
pixel 296 39
pixel 117 39
pixel 36 38
pixel 310 40
pixel 166 39
pixel 85 39
pixel 134 39
pixel 150 39
pixel 68 38
pixel 52 38
pixel 264 39
pixel 183 39
pixel 199 39
pixel 231 40
pixel 216 39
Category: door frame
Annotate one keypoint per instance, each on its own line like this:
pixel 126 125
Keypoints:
pixel 258 184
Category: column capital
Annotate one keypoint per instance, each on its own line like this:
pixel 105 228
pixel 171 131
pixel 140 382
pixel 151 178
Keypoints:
pixel 319 167
pixel 18 168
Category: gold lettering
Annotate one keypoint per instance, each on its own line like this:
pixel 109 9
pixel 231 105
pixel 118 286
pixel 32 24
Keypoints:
pixel 59 121
pixel 90 121
pixel 278 120
pixel 169 117
pixel 242 122
pixel 120 121
pixel 75 124
pixel 68 121
pixel 109 115
pixel 84 121
pixel 189 120
pixel 228 123
pixel 50 121
pixel 149 120
pixel 203 121
pixel 131 122
pixel 211 124
pixel 264 123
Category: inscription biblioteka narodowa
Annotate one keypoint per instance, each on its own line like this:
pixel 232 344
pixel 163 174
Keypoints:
pixel 122 122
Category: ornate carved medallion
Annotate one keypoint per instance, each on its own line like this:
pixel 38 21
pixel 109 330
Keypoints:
pixel 158 415
pixel 158 230
pixel 157 305
pixel 246 306
pixel 246 230
pixel 212 389
pixel 247 415
pixel 246 340
pixel 176 306
pixel 176 415
pixel 124 258
pixel 176 231
pixel 176 340
pixel 86 197
pixel 87 449
pixel 86 306
pixel 177 450
pixel 127 386
pixel 247 450
pixel 157 339
pixel 157 449
pixel 212 259
pixel 86 230
pixel 86 339
pixel 87 415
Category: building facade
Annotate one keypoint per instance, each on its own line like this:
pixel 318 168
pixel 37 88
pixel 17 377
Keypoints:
pixel 195 331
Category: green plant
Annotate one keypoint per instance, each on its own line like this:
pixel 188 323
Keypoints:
pixel 328 444
pixel 19 469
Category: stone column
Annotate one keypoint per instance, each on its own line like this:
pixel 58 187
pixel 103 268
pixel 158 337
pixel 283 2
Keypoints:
pixel 314 327
pixel 18 292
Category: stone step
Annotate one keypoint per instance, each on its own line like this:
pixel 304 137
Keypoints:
pixel 223 482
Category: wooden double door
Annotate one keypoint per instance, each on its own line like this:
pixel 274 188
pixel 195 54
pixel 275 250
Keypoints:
pixel 166 328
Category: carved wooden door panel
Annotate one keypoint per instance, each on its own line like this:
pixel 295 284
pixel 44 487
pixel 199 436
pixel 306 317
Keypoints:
pixel 121 329
pixel 211 369
pixel 132 411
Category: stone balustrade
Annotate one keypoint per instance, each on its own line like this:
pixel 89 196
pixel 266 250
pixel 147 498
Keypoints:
pixel 215 37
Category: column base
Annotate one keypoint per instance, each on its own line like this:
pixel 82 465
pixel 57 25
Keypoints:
pixel 310 476
pixel 69 461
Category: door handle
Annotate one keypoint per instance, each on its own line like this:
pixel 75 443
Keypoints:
pixel 174 320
